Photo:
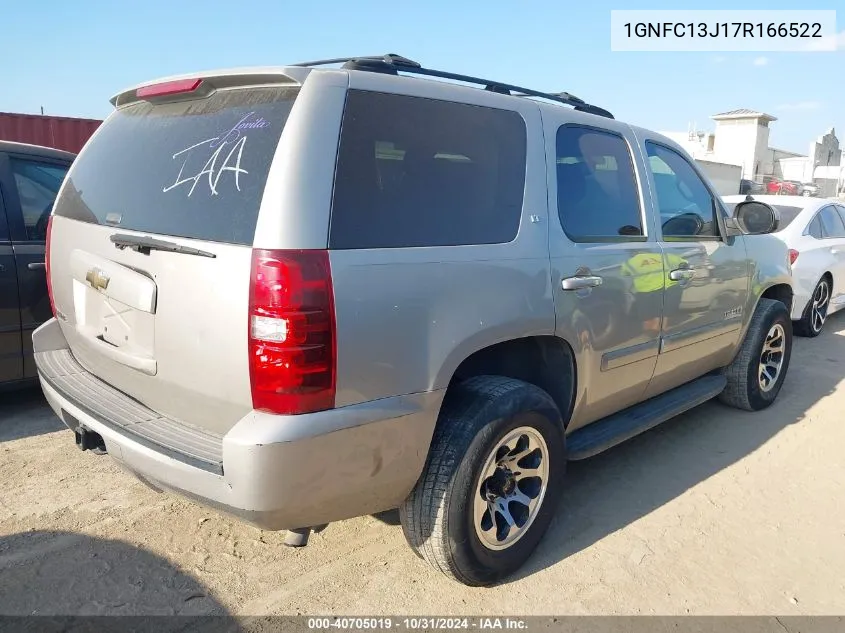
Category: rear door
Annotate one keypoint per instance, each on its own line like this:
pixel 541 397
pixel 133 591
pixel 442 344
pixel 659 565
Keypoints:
pixel 607 268
pixel 31 184
pixel 11 363
pixel 165 327
pixel 833 227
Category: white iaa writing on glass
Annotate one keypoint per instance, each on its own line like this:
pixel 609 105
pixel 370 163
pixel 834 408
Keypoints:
pixel 214 167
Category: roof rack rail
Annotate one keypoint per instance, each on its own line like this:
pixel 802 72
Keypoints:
pixel 393 64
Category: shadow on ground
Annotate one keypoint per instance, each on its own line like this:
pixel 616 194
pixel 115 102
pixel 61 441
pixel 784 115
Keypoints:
pixel 25 413
pixel 616 488
pixel 60 574
pixel 389 517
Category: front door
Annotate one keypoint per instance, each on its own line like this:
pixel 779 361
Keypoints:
pixel 706 282
pixel 11 363
pixel 607 269
pixel 31 185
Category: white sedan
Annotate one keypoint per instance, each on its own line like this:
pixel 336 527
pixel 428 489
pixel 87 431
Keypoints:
pixel 814 231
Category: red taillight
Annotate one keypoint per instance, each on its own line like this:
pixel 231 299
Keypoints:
pixel 168 88
pixel 47 265
pixel 291 332
pixel 793 255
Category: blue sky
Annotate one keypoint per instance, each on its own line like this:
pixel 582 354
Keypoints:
pixel 70 57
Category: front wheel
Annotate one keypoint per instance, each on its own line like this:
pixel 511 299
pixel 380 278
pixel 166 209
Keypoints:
pixel 491 481
pixel 756 374
pixel 815 313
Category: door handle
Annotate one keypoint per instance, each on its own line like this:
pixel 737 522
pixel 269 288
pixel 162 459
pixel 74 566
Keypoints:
pixel 834 250
pixel 580 282
pixel 681 274
pixel 2 268
pixel 37 265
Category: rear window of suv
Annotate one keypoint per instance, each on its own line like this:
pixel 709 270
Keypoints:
pixel 193 169
pixel 413 171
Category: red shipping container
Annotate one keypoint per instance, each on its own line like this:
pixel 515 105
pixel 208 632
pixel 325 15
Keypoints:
pixel 66 133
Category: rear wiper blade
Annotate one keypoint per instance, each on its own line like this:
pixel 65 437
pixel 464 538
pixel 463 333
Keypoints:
pixel 144 245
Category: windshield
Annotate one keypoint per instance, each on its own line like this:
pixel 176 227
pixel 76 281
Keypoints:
pixel 194 169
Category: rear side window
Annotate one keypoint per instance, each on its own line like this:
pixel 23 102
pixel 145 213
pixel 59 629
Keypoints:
pixel 194 169
pixel 422 172
pixel 831 222
pixel 816 228
pixel 596 188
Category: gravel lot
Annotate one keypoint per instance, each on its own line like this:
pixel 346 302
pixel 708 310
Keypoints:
pixel 716 512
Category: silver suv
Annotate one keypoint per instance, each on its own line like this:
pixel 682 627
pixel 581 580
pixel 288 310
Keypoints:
pixel 306 293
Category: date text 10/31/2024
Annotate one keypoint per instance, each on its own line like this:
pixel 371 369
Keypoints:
pixel 417 623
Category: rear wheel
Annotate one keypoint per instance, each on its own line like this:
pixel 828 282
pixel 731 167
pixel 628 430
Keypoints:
pixel 756 374
pixel 491 481
pixel 815 313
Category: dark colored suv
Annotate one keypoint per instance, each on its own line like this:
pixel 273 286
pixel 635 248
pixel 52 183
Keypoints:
pixel 30 176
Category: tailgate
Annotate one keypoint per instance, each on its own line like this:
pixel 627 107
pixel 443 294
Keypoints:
pixel 151 247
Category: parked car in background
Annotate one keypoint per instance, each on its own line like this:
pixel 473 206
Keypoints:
pixel 404 299
pixel 773 185
pixel 784 187
pixel 814 231
pixel 749 186
pixel 30 177
pixel 796 188
pixel 810 189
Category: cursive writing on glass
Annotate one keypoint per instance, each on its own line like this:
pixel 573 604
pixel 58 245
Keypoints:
pixel 211 171
pixel 246 123
pixel 210 165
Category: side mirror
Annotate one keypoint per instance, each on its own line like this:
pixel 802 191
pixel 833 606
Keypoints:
pixel 752 217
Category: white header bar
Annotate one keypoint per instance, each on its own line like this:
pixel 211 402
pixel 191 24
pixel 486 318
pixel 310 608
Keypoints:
pixel 723 30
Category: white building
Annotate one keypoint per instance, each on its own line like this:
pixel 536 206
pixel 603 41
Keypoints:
pixel 723 175
pixel 741 137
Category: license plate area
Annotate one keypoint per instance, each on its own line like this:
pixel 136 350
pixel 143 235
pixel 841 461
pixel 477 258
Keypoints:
pixel 107 319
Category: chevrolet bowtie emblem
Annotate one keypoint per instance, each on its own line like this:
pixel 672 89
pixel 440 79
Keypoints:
pixel 97 278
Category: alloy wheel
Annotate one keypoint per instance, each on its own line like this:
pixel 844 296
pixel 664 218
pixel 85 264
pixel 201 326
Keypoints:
pixel 511 488
pixel 818 309
pixel 771 358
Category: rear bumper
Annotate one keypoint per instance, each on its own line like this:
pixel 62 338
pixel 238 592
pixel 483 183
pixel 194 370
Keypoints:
pixel 276 472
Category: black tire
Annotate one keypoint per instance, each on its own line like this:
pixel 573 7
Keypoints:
pixel 437 517
pixel 805 326
pixel 743 390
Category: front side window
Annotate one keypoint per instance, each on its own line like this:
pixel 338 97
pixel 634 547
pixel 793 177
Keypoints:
pixel 597 193
pixel 414 172
pixel 687 208
pixel 37 184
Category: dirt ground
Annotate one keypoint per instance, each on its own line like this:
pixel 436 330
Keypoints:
pixel 715 512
